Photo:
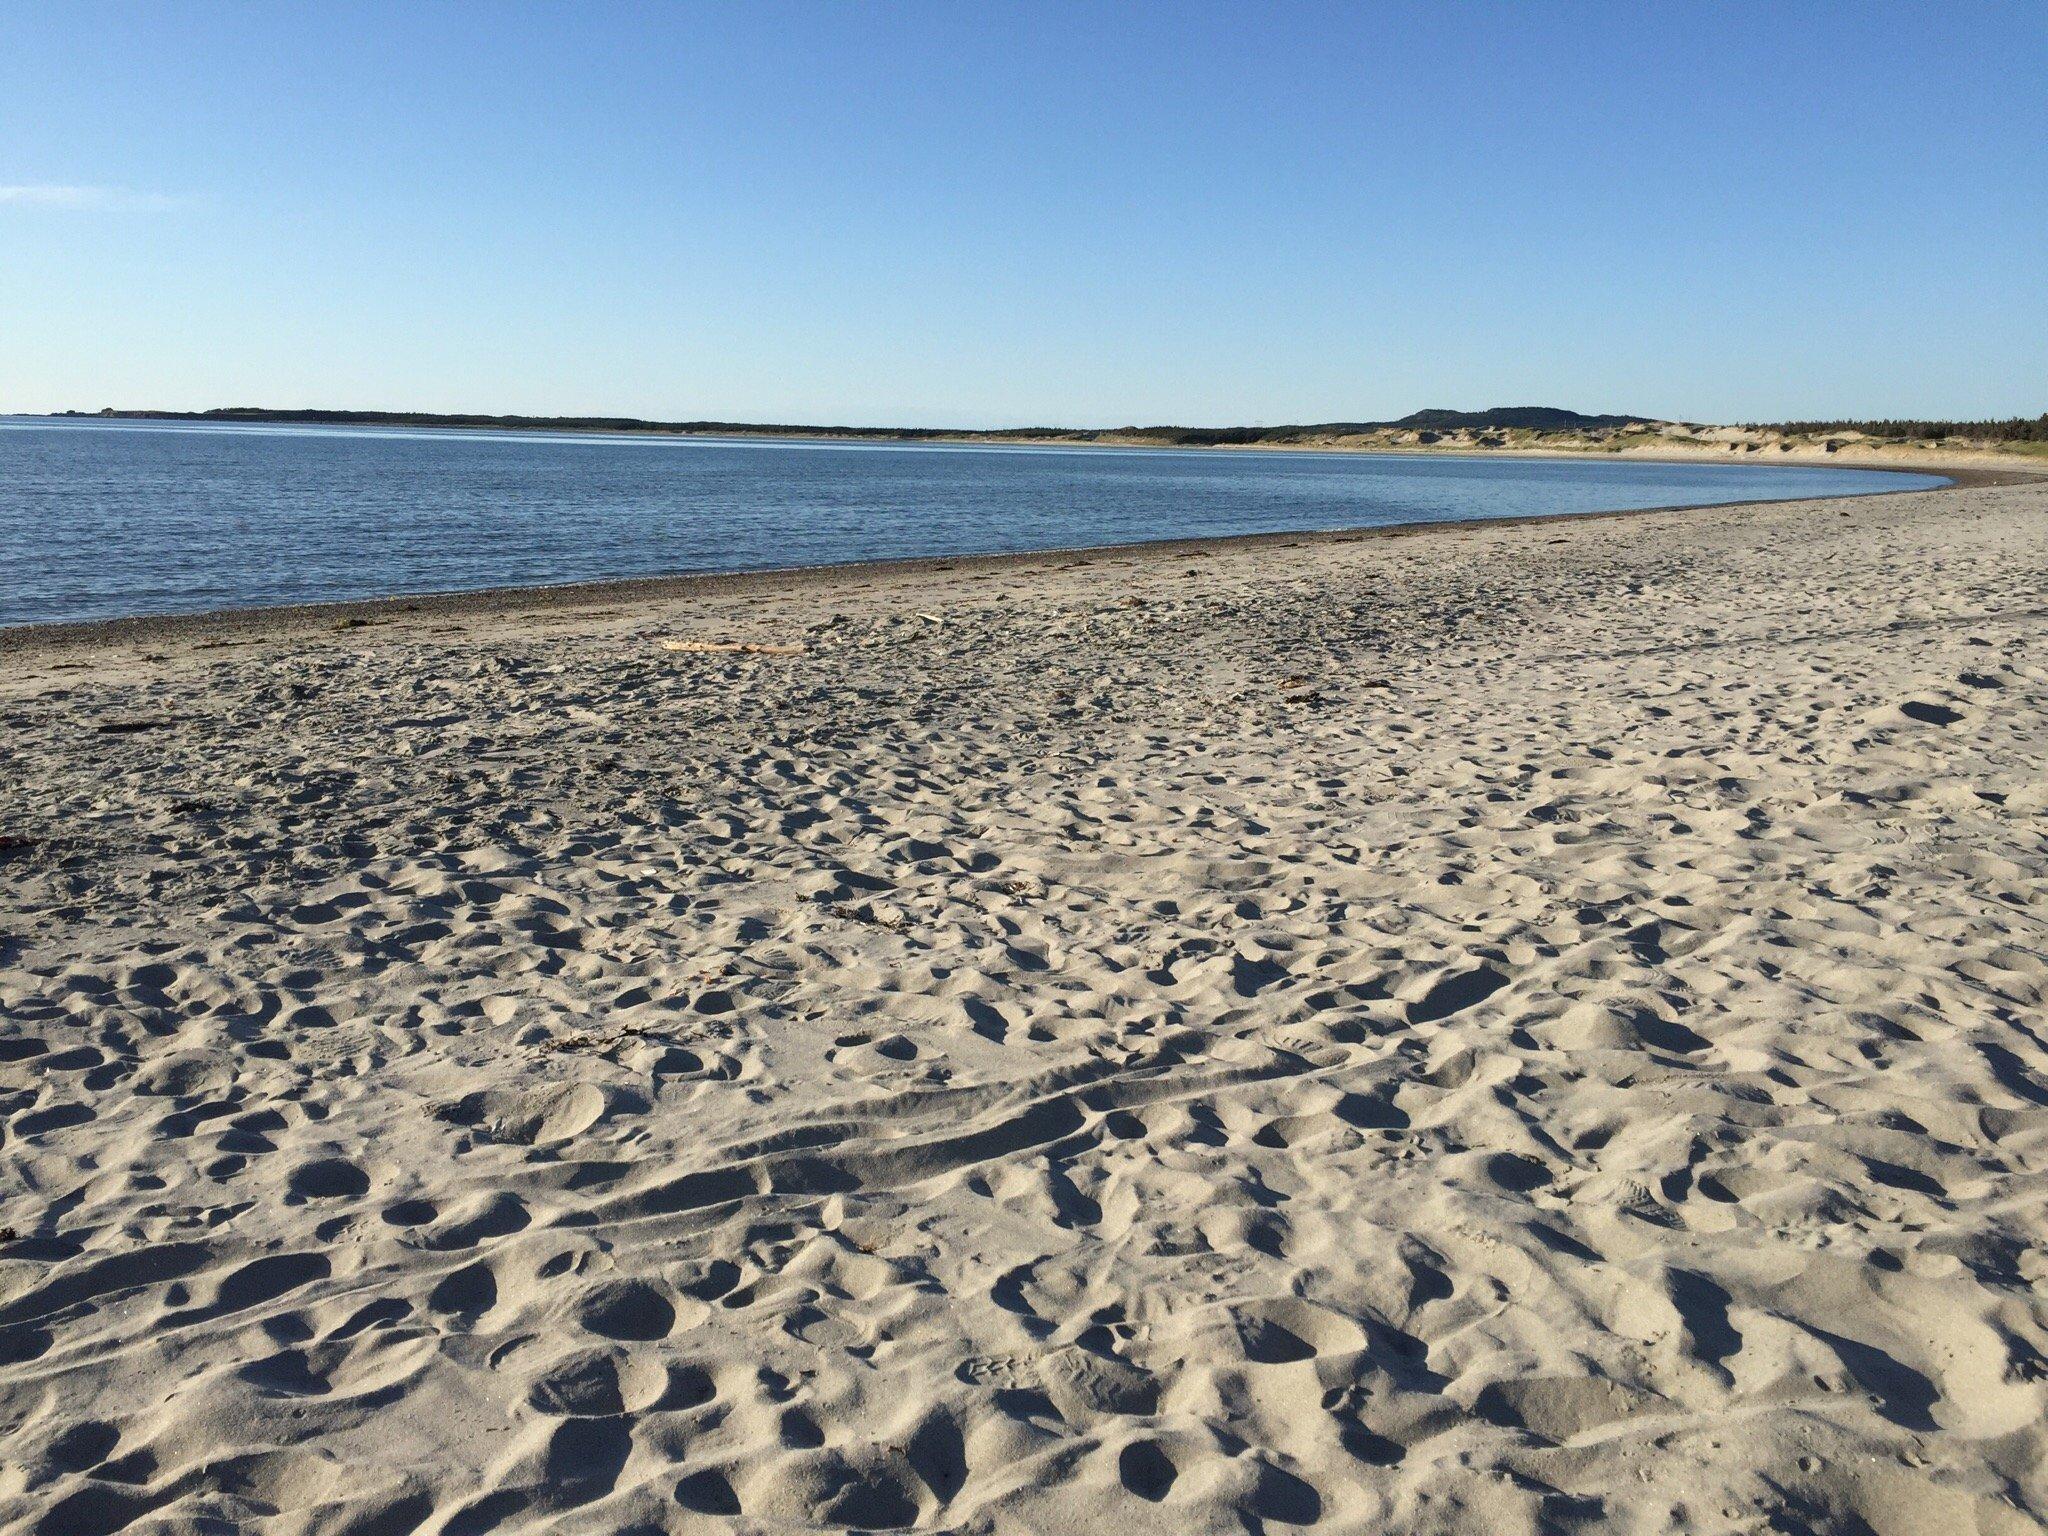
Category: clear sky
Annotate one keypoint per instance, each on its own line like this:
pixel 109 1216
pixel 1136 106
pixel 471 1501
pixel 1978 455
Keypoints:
pixel 1072 214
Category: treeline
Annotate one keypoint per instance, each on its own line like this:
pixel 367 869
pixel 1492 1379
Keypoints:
pixel 1223 437
pixel 332 418
pixel 338 418
pixel 2014 429
pixel 1516 418
pixel 1523 417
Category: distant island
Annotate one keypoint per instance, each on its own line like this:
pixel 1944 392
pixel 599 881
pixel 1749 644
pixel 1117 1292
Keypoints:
pixel 1528 428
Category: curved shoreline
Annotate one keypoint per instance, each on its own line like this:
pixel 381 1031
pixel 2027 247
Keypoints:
pixel 286 618
pixel 1856 456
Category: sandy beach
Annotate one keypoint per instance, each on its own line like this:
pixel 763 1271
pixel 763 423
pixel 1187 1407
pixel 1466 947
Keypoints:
pixel 1481 1029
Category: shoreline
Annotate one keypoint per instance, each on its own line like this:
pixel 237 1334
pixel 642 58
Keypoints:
pixel 506 601
pixel 1867 453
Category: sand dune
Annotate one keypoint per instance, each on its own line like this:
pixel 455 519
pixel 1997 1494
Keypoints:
pixel 1516 1028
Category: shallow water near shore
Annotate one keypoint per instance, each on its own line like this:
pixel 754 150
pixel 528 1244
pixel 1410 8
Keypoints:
pixel 105 519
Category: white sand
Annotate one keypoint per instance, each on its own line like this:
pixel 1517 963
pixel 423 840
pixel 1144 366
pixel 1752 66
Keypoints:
pixel 1516 1028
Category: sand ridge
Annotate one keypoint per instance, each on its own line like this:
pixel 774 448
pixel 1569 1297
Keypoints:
pixel 1507 1028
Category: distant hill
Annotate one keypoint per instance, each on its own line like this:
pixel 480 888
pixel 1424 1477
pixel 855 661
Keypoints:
pixel 1431 423
pixel 1512 418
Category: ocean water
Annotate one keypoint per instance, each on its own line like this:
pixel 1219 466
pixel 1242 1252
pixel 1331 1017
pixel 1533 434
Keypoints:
pixel 103 519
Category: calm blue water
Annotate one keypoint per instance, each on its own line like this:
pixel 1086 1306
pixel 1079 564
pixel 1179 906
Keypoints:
pixel 99 519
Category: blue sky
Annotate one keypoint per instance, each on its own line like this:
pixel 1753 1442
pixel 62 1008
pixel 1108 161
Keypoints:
pixel 1009 215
